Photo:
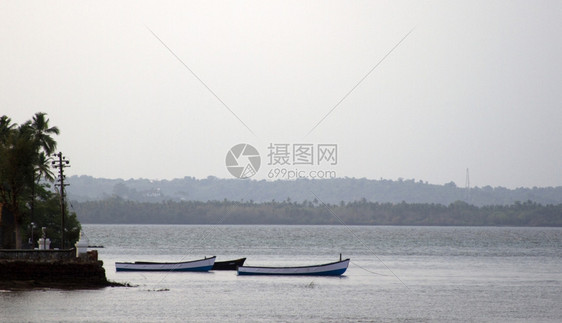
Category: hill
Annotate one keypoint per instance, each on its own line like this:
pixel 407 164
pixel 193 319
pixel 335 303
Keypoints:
pixel 333 191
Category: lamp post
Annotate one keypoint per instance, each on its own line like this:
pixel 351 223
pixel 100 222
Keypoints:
pixel 32 226
pixel 61 163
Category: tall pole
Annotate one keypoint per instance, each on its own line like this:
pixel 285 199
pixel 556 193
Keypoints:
pixel 467 186
pixel 61 163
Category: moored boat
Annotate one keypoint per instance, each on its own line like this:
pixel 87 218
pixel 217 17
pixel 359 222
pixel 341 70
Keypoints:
pixel 229 264
pixel 330 269
pixel 194 265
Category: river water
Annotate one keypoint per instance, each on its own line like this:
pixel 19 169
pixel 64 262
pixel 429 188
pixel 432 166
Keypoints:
pixel 396 274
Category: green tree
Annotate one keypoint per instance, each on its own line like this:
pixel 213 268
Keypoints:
pixel 41 133
pixel 48 216
pixel 24 163
pixel 45 146
pixel 17 158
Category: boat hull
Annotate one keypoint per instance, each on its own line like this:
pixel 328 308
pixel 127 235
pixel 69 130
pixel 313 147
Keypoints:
pixel 195 265
pixel 331 269
pixel 229 264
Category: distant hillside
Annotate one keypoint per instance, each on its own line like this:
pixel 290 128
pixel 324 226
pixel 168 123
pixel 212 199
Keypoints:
pixel 334 191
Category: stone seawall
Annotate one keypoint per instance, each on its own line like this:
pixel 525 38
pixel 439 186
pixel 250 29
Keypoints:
pixel 30 254
pixel 48 269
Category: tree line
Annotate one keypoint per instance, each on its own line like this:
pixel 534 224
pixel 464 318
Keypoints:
pixel 117 210
pixel 26 178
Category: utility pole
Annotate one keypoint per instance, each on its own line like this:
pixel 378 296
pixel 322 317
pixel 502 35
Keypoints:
pixel 467 186
pixel 61 163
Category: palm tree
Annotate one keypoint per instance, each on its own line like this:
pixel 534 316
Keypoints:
pixel 41 136
pixel 6 126
pixel 42 133
pixel 43 168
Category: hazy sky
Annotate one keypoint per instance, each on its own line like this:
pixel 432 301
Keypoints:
pixel 476 84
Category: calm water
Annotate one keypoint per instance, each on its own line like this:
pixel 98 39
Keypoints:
pixel 413 274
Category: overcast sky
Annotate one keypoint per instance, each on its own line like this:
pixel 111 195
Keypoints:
pixel 163 90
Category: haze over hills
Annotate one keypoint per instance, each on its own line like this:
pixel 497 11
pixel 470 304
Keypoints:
pixel 87 188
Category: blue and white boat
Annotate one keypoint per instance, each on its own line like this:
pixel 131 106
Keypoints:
pixel 194 265
pixel 331 269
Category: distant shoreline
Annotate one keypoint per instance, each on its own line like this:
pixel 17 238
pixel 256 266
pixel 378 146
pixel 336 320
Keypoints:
pixel 120 211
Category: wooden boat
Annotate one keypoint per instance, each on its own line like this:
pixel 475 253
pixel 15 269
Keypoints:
pixel 331 269
pixel 194 265
pixel 229 264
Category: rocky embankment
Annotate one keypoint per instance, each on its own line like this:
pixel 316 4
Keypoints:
pixel 33 271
